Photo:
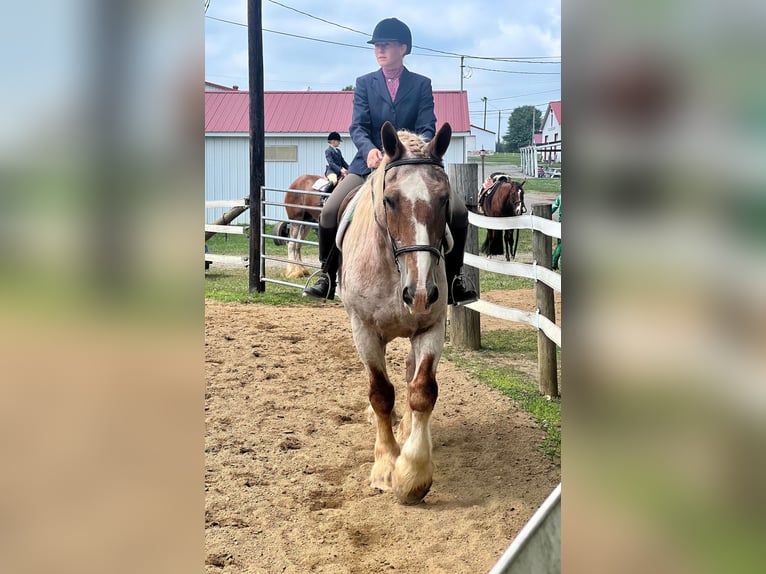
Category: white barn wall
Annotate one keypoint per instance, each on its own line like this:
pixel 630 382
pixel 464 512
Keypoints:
pixel 227 167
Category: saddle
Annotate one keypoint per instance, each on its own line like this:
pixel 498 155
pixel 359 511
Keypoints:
pixel 487 193
pixel 325 186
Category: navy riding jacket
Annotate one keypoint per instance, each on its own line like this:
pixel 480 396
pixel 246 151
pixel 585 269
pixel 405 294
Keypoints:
pixel 335 161
pixel 412 109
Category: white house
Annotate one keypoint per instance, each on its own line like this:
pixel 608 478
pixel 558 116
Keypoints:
pixel 550 147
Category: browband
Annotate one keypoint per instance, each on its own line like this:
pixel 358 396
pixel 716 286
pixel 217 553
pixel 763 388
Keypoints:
pixel 414 161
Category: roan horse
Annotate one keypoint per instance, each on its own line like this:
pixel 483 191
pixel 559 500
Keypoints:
pixel 393 284
pixel 504 199
pixel 300 207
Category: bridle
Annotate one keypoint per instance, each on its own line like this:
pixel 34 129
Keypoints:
pixel 395 250
pixel 521 199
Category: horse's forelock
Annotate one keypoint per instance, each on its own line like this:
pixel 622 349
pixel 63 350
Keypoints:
pixel 414 145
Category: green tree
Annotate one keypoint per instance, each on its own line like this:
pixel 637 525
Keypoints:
pixel 519 132
pixel 348 88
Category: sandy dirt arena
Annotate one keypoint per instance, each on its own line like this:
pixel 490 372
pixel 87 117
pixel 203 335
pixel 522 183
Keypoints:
pixel 289 450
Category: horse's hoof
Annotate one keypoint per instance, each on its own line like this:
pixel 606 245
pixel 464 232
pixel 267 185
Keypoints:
pixel 380 485
pixel 415 495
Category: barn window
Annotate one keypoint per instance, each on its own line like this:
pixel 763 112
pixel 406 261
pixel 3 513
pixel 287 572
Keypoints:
pixel 281 153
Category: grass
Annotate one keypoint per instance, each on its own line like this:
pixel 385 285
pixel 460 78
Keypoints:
pixel 498 159
pixel 490 365
pixel 545 184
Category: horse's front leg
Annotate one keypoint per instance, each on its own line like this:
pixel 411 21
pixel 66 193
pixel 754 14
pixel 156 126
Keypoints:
pixel 413 473
pixel 382 395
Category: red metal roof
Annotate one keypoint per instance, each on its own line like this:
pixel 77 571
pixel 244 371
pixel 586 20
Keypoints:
pixel 556 107
pixel 313 112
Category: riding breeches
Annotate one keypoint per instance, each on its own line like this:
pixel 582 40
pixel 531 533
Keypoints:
pixel 328 218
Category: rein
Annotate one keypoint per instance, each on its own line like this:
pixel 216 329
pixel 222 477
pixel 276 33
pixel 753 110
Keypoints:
pixel 397 251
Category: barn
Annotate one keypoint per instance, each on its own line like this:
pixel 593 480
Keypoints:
pixel 297 124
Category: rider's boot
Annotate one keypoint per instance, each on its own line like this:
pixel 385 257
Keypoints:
pixel 458 292
pixel 324 288
pixel 327 188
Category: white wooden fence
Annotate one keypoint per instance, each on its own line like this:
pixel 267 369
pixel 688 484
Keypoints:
pixel 238 260
pixel 528 270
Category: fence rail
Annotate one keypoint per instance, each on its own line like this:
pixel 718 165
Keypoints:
pixel 236 208
pixel 527 270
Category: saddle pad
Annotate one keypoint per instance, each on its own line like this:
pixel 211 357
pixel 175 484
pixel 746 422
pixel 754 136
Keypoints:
pixel 345 219
pixel 319 184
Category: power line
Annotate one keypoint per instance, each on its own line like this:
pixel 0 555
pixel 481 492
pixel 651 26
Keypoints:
pixel 292 35
pixel 444 54
pixel 318 18
pixel 517 72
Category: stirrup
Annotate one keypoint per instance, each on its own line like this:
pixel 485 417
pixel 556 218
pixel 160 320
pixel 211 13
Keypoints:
pixel 307 291
pixel 451 292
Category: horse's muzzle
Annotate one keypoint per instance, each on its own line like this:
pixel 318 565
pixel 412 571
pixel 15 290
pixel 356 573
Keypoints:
pixel 420 301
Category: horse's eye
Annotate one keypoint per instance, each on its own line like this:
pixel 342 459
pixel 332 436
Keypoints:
pixel 444 200
pixel 389 202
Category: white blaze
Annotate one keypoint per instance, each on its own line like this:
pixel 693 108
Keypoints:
pixel 414 189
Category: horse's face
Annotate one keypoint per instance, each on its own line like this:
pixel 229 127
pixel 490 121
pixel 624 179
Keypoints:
pixel 415 204
pixel 517 198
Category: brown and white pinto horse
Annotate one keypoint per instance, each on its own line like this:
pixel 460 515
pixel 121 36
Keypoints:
pixel 504 199
pixel 393 284
pixel 300 207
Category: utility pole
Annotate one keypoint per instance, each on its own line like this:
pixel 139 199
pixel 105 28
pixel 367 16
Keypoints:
pixel 461 72
pixel 498 130
pixel 257 143
pixel 484 99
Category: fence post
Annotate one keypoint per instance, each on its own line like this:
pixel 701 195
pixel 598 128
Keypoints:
pixel 466 323
pixel 546 349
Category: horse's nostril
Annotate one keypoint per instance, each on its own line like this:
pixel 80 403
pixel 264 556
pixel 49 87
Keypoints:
pixel 407 296
pixel 433 295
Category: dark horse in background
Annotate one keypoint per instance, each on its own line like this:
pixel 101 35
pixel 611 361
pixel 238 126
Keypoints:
pixel 504 199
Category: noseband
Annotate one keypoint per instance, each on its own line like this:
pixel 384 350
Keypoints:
pixel 397 251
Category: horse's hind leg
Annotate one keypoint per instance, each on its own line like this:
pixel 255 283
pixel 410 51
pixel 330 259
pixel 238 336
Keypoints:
pixel 295 269
pixel 413 473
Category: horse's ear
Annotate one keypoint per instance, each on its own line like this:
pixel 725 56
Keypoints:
pixel 438 146
pixel 391 144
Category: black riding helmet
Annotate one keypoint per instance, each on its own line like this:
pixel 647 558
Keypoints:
pixel 333 136
pixel 392 30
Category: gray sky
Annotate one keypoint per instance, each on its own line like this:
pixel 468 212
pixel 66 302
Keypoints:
pixel 518 30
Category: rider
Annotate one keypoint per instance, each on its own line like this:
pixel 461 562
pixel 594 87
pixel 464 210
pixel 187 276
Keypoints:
pixel 336 165
pixel 391 93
